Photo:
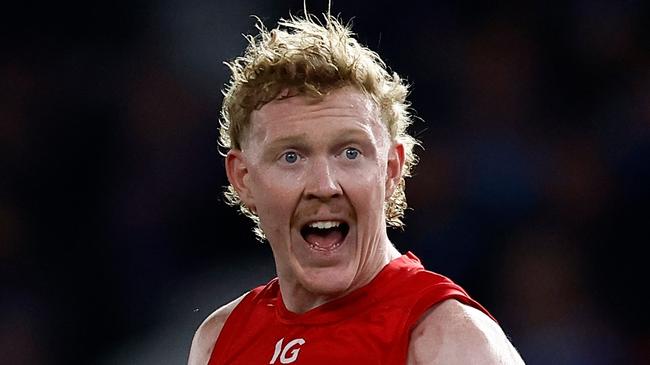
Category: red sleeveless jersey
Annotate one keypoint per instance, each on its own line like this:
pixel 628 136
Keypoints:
pixel 371 325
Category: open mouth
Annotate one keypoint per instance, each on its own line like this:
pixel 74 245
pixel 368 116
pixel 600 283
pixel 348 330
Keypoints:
pixel 325 235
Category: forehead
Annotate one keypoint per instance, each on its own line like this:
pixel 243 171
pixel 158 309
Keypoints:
pixel 342 108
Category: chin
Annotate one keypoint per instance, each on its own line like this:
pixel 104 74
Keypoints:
pixel 331 281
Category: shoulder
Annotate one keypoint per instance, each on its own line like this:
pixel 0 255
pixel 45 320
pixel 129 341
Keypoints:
pixel 455 333
pixel 207 333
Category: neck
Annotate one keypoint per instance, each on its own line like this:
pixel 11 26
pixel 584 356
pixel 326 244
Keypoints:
pixel 299 299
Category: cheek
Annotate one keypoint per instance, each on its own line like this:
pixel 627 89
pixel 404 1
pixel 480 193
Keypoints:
pixel 275 197
pixel 365 187
pixel 269 184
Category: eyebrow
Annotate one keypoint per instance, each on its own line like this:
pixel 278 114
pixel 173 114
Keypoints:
pixel 276 145
pixel 355 133
pixel 292 140
pixel 300 140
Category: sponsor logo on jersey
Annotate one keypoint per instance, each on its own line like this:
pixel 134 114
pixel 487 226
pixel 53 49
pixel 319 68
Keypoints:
pixel 292 348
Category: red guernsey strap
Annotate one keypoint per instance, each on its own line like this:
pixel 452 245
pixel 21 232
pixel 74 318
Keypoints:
pixel 237 317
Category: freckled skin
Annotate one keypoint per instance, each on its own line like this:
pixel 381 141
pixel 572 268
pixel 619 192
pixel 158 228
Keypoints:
pixel 295 167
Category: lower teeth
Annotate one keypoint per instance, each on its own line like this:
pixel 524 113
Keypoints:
pixel 315 246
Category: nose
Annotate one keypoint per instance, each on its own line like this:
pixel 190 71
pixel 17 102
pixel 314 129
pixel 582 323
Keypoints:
pixel 322 183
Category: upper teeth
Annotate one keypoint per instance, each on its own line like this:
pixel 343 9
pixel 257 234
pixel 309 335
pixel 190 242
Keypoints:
pixel 324 224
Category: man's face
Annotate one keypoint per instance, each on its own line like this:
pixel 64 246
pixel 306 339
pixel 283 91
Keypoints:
pixel 318 172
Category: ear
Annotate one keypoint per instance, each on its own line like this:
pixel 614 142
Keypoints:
pixel 237 171
pixel 394 168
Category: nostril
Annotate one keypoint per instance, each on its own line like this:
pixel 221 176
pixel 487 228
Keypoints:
pixel 324 193
pixel 322 183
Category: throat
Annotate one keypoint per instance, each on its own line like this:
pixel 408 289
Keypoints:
pixel 301 304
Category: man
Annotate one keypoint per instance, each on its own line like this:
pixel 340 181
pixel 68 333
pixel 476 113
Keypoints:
pixel 315 129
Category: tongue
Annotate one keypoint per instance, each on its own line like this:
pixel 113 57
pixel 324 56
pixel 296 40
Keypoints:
pixel 326 239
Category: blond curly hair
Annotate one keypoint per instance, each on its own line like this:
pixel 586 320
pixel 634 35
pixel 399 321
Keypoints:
pixel 313 58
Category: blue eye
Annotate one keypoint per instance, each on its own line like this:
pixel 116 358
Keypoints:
pixel 291 157
pixel 351 153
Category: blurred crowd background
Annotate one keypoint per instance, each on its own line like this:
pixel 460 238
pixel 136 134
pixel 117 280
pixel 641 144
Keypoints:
pixel 532 191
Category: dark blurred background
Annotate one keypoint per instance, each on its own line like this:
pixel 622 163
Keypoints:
pixel 532 191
